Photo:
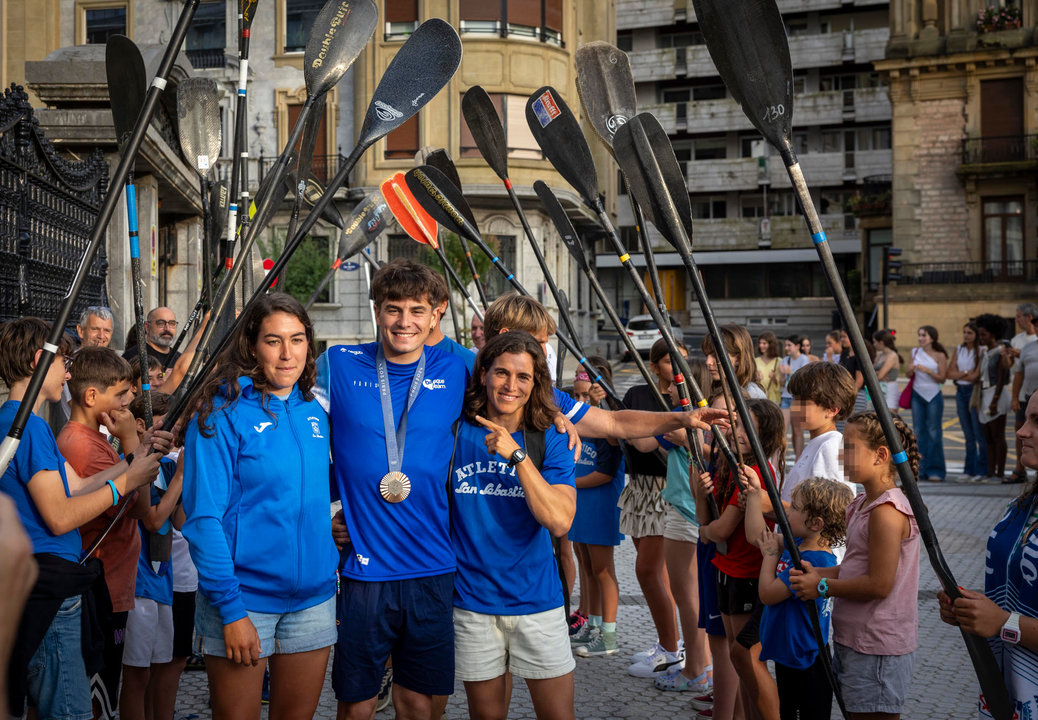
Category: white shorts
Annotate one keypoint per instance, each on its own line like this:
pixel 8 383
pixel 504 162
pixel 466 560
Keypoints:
pixel 677 527
pixel 533 647
pixel 149 634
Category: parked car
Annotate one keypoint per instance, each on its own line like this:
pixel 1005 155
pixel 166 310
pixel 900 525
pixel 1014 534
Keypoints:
pixel 643 332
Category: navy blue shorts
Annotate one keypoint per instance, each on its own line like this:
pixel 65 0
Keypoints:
pixel 709 612
pixel 410 620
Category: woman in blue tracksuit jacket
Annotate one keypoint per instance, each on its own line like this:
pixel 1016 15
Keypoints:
pixel 256 494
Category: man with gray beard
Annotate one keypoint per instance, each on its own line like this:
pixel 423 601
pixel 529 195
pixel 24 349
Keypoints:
pixel 160 332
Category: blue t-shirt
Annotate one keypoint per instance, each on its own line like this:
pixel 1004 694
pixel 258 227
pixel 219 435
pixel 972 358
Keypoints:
pixel 38 451
pixel 597 520
pixel 677 491
pixel 409 539
pixel 505 560
pixel 574 410
pixel 785 628
pixel 155 579
pixel 469 356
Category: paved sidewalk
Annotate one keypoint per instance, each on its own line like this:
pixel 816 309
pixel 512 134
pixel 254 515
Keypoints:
pixel 943 685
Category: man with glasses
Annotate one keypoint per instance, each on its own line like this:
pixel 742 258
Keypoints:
pixel 95 326
pixel 160 333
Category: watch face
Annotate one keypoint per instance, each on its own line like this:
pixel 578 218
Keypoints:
pixel 1010 635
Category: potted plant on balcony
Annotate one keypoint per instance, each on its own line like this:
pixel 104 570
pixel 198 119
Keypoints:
pixel 999 26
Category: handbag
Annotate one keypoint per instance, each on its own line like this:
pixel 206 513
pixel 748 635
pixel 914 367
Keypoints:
pixel 905 401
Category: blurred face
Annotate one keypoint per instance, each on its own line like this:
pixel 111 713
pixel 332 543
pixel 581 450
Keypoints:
pixel 984 337
pixel 404 326
pixel 805 345
pixel 477 333
pixel 161 327
pixel 792 349
pixel 55 379
pixel 115 397
pixel 96 332
pixel 1028 434
pixel 810 415
pixel 833 346
pixel 968 336
pixel 280 351
pixel 664 369
pixel 715 369
pixel 509 382
pixel 743 440
pixel 582 391
pixel 798 519
pixel 762 346
pixel 858 457
pixel 924 338
pixel 1023 321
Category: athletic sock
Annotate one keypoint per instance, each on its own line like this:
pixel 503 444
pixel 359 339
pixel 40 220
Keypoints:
pixel 595 620
pixel 609 627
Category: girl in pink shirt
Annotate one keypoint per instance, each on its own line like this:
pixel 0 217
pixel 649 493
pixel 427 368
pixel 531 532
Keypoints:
pixel 875 620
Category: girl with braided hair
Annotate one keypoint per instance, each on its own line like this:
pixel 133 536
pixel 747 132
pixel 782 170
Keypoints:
pixel 875 613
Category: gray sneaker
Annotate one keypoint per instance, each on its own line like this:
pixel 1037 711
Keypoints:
pixel 582 636
pixel 602 643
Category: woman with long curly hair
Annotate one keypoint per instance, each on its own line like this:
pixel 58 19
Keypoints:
pixel 507 502
pixel 257 499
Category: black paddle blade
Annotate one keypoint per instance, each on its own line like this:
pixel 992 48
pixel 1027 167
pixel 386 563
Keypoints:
pixel 219 197
pixel 247 9
pixel 647 159
pixel 367 222
pixel 312 192
pixel 748 44
pixel 486 128
pixel 606 87
pixel 563 142
pixel 340 31
pixel 199 127
pixel 441 160
pixel 127 84
pixel 442 200
pixel 425 63
pixel 562 223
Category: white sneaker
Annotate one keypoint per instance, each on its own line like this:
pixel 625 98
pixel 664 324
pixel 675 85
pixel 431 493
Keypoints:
pixel 659 662
pixel 646 654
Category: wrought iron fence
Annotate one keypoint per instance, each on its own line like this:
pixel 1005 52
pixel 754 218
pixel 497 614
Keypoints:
pixel 1006 148
pixel 963 273
pixel 324 167
pixel 48 207
pixel 207 58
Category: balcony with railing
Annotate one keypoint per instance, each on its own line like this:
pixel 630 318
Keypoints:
pixel 964 273
pixel 1004 149
pixel 324 166
pixel 207 58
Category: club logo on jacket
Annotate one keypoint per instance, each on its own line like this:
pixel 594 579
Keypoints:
pixel 315 424
pixel 261 427
pixel 434 384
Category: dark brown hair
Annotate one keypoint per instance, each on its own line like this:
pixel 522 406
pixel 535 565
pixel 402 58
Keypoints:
pixel 96 367
pixel 237 359
pixel 932 332
pixel 771 429
pixel 517 312
pixel 826 500
pixel 773 345
pixel 540 410
pixel 19 341
pixel 659 350
pixel 872 433
pixel 739 343
pixel 403 279
pixel 887 338
pixel 159 404
pixel 827 385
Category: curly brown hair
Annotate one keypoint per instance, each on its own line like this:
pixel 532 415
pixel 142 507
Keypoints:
pixel 237 359
pixel 826 500
pixel 540 410
pixel 872 433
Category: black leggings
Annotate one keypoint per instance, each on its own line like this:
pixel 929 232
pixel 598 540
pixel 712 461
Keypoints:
pixel 804 694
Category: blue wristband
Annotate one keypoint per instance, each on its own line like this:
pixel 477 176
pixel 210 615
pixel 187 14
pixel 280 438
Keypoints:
pixel 115 493
pixel 823 588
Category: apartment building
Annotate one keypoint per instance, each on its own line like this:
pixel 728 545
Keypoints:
pixel 752 245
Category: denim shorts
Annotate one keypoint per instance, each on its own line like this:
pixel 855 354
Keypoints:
pixel 872 683
pixel 279 633
pixel 58 686
pixel 787 402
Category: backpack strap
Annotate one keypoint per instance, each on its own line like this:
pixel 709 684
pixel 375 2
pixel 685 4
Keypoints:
pixel 534 441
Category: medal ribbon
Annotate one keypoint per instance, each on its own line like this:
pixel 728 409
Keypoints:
pixel 395 437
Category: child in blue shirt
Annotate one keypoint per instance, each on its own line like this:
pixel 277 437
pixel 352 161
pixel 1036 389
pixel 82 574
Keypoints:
pixel 817 517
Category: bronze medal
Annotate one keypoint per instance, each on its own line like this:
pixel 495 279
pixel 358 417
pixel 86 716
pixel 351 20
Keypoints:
pixel 394 487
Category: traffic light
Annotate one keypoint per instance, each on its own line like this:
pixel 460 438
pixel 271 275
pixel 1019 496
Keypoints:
pixel 892 265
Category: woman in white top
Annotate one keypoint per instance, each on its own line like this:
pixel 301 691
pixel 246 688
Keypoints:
pixel 964 369
pixel 887 363
pixel 929 368
pixel 994 395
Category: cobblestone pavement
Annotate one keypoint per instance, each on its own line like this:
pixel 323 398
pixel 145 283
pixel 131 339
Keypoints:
pixel 943 687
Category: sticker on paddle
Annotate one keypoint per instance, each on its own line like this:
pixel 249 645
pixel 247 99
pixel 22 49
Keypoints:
pixel 544 107
pixel 606 87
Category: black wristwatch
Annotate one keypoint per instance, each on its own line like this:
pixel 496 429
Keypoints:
pixel 517 457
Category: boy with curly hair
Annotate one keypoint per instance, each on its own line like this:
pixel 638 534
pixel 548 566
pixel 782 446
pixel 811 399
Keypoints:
pixel 817 517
